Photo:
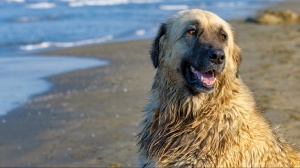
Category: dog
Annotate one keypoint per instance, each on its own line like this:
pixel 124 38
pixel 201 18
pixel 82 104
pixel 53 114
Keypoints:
pixel 200 113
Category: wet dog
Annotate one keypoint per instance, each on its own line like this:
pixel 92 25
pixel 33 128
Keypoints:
pixel 200 113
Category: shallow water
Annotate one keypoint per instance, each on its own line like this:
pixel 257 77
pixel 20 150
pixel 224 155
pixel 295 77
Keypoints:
pixel 22 77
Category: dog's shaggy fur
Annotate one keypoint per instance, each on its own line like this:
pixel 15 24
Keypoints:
pixel 211 122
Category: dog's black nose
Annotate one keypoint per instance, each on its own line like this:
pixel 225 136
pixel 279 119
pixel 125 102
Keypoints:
pixel 217 56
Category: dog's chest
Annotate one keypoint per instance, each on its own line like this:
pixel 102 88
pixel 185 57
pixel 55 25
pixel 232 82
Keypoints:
pixel 191 149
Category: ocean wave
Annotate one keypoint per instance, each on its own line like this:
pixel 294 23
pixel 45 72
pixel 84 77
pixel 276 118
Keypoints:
pixel 173 7
pixel 44 45
pixel 17 1
pixel 41 5
pixel 144 1
pixel 96 3
pixel 139 32
pixel 229 4
pixel 25 19
pixel 80 3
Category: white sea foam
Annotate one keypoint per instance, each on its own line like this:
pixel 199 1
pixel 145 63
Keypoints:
pixel 139 32
pixel 174 7
pixel 80 3
pixel 22 77
pixel 229 4
pixel 44 45
pixel 97 2
pixel 17 1
pixel 144 1
pixel 41 5
pixel 36 46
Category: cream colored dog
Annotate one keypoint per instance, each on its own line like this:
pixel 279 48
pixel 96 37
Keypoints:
pixel 200 113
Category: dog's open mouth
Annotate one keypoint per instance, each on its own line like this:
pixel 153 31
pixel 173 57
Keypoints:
pixel 207 78
pixel 201 81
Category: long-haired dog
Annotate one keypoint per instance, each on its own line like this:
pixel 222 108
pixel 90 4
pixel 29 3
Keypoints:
pixel 200 113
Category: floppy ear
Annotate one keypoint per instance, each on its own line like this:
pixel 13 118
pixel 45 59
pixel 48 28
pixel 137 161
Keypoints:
pixel 236 54
pixel 237 57
pixel 154 52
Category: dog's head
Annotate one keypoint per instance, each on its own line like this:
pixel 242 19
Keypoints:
pixel 194 49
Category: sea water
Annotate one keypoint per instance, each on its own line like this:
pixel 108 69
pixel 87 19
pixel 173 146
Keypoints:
pixel 23 76
pixel 33 25
pixel 28 25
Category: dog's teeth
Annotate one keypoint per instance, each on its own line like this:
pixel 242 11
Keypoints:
pixel 192 69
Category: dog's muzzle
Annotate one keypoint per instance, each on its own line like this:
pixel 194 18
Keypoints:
pixel 201 75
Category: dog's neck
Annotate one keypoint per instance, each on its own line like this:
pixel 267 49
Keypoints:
pixel 179 103
pixel 178 118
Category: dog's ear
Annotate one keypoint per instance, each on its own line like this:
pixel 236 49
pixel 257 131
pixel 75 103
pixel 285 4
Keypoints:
pixel 154 52
pixel 237 57
pixel 237 53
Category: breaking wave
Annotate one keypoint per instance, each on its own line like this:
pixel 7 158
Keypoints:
pixel 44 45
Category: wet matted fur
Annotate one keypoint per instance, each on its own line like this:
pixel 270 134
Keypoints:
pixel 200 113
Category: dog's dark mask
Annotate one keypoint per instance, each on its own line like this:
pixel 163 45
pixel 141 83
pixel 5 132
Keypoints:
pixel 202 66
pixel 204 63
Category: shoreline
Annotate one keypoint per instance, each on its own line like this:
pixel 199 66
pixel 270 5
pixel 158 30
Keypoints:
pixel 89 117
pixel 21 83
pixel 44 109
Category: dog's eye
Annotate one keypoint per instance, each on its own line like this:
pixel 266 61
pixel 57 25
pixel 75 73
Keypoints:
pixel 192 32
pixel 223 37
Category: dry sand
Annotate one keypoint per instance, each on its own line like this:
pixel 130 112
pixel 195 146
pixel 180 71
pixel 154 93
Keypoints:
pixel 89 118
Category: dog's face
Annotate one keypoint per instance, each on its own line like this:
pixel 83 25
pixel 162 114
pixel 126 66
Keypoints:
pixel 193 49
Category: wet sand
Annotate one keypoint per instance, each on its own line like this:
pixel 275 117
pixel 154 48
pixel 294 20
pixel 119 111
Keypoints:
pixel 89 118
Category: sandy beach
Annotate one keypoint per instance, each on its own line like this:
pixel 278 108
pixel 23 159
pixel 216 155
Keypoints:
pixel 89 118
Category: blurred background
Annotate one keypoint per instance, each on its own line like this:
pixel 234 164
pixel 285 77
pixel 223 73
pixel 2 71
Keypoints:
pixel 29 25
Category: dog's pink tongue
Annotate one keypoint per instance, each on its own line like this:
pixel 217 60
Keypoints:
pixel 206 78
